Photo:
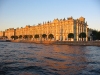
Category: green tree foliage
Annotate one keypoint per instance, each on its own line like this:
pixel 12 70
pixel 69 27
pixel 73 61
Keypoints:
pixel 15 37
pixel 70 35
pixel 94 35
pixel 36 36
pixel 25 36
pixel 98 35
pixel 50 36
pixel 30 36
pixel 20 36
pixel 44 36
pixel 82 35
pixel 12 37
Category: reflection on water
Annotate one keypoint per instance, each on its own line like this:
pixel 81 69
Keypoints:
pixel 39 59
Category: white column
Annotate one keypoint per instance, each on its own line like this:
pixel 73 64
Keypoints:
pixel 63 37
pixel 84 30
pixel 86 34
pixel 57 38
pixel 79 31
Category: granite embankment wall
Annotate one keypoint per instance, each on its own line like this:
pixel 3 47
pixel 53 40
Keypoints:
pixel 31 41
pixel 84 43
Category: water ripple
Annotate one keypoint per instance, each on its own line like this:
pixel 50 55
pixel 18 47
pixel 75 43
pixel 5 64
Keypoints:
pixel 54 59
pixel 32 47
pixel 39 59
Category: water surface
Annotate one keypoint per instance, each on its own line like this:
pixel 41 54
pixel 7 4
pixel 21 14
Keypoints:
pixel 39 59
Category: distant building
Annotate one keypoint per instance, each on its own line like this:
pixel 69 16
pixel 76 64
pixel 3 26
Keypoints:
pixel 60 28
pixel 2 33
pixel 10 32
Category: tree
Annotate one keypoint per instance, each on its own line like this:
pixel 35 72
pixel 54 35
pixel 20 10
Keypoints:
pixel 82 35
pixel 25 36
pixel 44 36
pixel 15 37
pixel 20 36
pixel 98 35
pixel 12 37
pixel 70 35
pixel 30 36
pixel 50 36
pixel 94 34
pixel 36 36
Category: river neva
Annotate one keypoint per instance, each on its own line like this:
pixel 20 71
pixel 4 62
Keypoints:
pixel 40 59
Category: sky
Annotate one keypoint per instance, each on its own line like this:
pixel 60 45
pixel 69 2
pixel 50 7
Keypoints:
pixel 19 13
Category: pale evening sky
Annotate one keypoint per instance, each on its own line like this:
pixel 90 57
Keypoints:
pixel 19 13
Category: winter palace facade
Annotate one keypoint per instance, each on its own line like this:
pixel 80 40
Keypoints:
pixel 60 28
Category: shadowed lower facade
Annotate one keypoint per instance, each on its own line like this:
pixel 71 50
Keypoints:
pixel 60 28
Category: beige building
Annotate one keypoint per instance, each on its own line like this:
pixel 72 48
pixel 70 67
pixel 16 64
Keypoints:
pixel 60 28
pixel 2 33
pixel 10 32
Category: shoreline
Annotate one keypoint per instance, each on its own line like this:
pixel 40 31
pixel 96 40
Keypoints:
pixel 74 43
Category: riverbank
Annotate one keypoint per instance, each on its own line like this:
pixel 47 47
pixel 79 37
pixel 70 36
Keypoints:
pixel 4 40
pixel 82 43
